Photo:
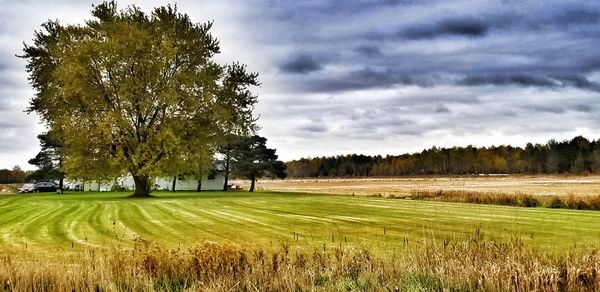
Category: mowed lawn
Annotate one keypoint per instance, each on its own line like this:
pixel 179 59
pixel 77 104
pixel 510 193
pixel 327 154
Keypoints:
pixel 53 222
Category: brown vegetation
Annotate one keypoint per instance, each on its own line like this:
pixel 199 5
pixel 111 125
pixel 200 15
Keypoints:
pixel 9 188
pixel 473 264
pixel 496 198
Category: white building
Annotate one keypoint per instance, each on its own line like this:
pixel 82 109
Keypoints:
pixel 183 183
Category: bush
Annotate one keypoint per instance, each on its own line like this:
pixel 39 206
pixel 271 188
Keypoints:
pixel 576 203
pixel 555 203
pixel 529 201
pixel 594 203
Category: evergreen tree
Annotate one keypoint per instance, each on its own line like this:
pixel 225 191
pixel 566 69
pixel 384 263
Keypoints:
pixel 49 159
pixel 250 158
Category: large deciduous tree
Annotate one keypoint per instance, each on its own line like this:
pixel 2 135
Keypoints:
pixel 137 93
pixel 250 158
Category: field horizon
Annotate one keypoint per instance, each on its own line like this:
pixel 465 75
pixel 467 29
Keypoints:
pixel 530 184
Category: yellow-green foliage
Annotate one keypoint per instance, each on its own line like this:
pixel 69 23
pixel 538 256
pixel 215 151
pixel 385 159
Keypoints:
pixel 137 93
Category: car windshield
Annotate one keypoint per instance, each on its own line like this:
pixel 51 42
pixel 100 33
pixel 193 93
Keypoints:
pixel 28 186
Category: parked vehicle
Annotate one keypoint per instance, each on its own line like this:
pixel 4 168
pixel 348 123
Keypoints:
pixel 45 187
pixel 26 188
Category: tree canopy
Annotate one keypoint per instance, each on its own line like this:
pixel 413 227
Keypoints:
pixel 137 93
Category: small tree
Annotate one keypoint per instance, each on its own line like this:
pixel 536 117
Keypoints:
pixel 49 159
pixel 250 158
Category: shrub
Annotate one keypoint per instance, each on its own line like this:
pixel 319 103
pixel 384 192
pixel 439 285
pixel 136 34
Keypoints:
pixel 555 202
pixel 576 203
pixel 529 201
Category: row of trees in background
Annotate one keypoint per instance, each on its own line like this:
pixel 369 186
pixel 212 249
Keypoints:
pixel 578 155
pixel 15 175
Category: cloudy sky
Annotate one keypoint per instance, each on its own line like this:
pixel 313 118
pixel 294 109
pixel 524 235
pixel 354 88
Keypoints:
pixel 371 77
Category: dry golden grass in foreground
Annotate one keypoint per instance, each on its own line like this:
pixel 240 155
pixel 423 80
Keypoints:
pixel 473 264
pixel 544 185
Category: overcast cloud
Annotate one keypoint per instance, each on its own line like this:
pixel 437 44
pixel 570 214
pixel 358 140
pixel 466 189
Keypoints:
pixel 372 77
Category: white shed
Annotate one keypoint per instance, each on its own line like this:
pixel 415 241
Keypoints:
pixel 183 183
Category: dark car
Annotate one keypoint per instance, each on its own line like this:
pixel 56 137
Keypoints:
pixel 45 187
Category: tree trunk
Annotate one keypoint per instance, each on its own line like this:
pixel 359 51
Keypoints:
pixel 61 180
pixel 142 186
pixel 61 183
pixel 253 180
pixel 174 184
pixel 199 188
pixel 227 159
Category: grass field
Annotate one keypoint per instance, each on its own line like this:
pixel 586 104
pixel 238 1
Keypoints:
pixel 74 220
pixel 544 185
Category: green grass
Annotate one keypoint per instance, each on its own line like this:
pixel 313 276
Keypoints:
pixel 59 222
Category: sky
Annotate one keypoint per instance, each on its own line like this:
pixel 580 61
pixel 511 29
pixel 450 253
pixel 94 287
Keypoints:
pixel 370 77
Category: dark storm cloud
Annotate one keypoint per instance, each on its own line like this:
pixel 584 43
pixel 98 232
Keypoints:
pixel 440 108
pixel 551 81
pixel 368 50
pixel 466 27
pixel 300 64
pixel 360 79
pixel 527 44
pixel 314 128
pixel 580 82
pixel 584 108
pixel 518 79
pixel 577 15
pixel 301 11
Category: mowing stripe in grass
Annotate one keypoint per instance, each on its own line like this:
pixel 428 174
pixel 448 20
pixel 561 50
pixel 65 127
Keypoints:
pixel 54 221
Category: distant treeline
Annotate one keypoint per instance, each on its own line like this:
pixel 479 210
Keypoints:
pixel 15 175
pixel 578 155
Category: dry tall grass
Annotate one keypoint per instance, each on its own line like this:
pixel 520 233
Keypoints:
pixel 9 188
pixel 473 264
pixel 571 201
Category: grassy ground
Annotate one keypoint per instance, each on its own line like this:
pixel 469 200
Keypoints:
pixel 61 222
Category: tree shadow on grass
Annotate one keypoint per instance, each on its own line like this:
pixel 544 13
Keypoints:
pixel 162 195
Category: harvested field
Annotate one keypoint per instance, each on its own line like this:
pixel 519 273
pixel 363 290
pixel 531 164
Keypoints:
pixel 544 185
